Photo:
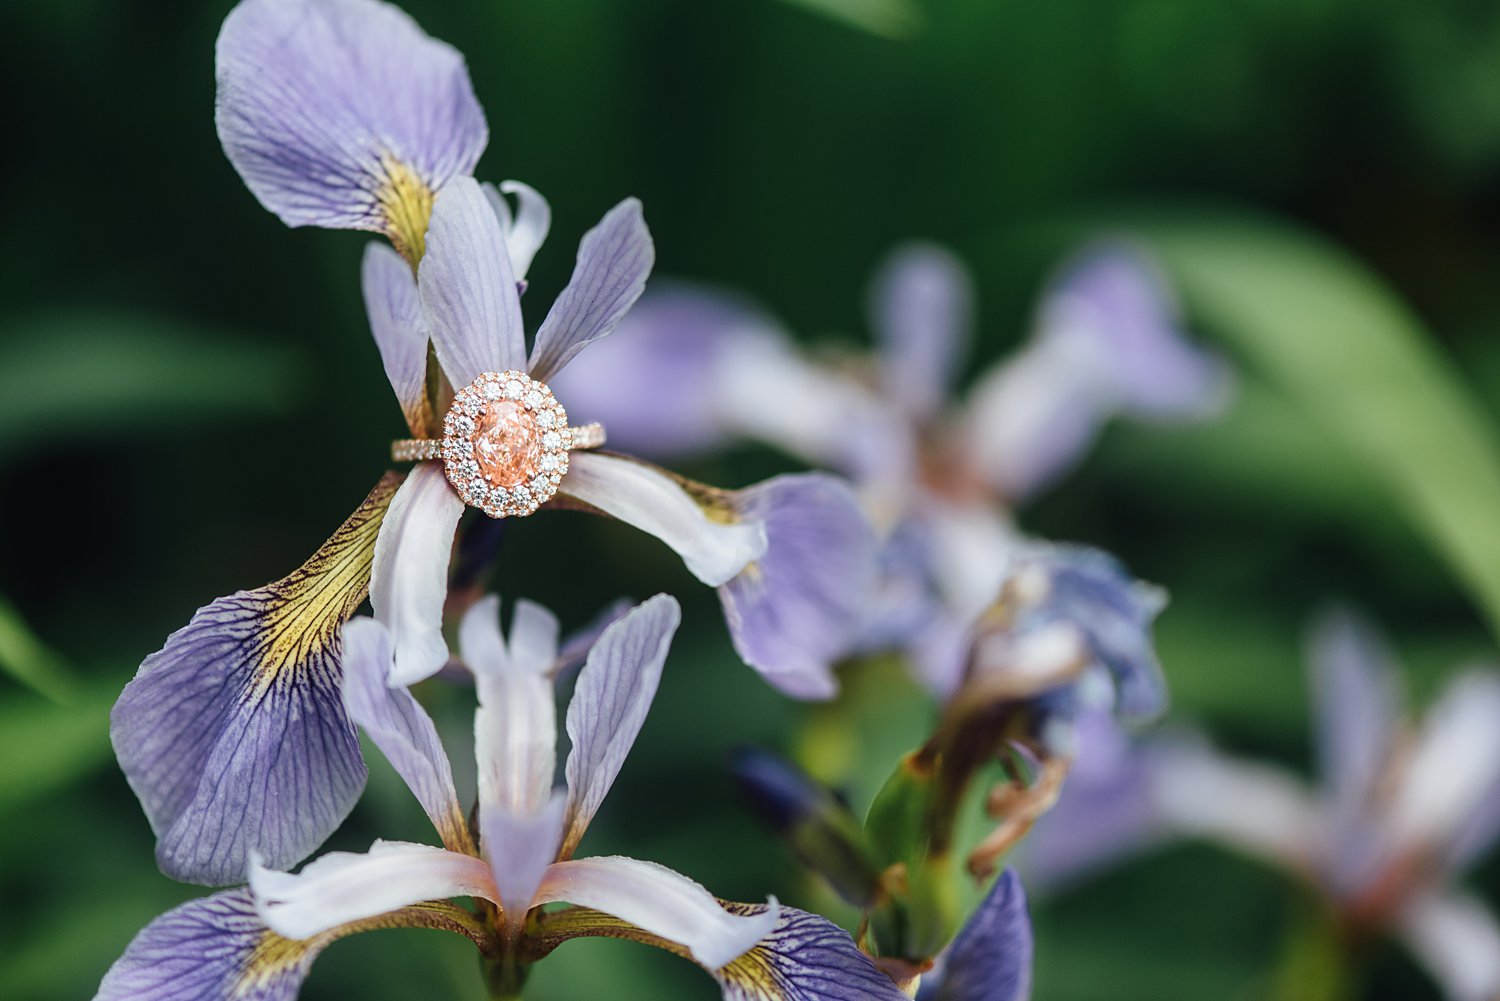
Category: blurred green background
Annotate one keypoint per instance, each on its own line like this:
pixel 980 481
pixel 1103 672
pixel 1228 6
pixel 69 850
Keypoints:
pixel 162 338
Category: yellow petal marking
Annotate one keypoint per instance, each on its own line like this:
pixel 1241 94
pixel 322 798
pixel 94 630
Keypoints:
pixel 406 206
pixel 306 609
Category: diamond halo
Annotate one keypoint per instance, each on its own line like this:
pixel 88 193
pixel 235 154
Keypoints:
pixel 505 444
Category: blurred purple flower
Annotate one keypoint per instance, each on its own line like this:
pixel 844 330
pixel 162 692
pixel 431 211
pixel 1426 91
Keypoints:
pixel 1107 343
pixel 1401 811
pixel 1070 636
pixel 261 943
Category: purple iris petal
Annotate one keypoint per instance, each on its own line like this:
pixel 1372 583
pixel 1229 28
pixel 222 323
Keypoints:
pixel 1091 590
pixel 216 947
pixel 400 332
pixel 468 290
pixel 806 958
pixel 990 960
pixel 318 98
pixel 614 261
pixel 798 607
pixel 230 758
pixel 234 735
pixel 401 728
pixel 519 847
pixel 921 307
pixel 610 702
pixel 906 598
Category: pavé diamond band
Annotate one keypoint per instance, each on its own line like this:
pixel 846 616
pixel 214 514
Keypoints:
pixel 423 449
pixel 505 444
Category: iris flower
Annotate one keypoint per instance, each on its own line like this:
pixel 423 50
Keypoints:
pixel 343 113
pixel 939 480
pixel 258 942
pixel 1402 810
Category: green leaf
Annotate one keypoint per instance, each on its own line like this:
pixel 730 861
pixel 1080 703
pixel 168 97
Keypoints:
pixel 44 747
pixel 30 661
pixel 887 18
pixel 101 374
pixel 1356 361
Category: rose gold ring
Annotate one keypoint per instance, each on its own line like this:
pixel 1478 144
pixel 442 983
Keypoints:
pixel 505 444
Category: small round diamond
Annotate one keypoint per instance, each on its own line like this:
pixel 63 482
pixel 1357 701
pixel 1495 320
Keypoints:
pixel 514 389
pixel 552 441
pixel 491 391
pixel 546 420
pixel 533 400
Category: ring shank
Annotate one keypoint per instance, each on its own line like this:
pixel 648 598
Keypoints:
pixel 584 436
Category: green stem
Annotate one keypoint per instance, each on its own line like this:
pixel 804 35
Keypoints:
pixel 1315 962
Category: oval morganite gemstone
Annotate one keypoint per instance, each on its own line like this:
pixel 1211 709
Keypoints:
pixel 507 443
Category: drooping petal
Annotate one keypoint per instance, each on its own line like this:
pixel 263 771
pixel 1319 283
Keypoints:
pixel 468 289
pixel 990 960
pixel 797 609
pixel 401 729
pixel 400 332
pixel 661 902
pixel 804 957
pixel 610 702
pixel 520 846
pixel 614 261
pixel 342 887
pixel 344 114
pixel 1458 940
pixel 215 947
pixel 515 726
pixel 1356 690
pixel 1256 809
pixel 921 309
pixel 655 502
pixel 526 228
pixel 1453 768
pixel 233 735
pixel 409 582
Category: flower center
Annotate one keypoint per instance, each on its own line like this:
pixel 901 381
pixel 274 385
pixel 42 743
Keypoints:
pixel 507 443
